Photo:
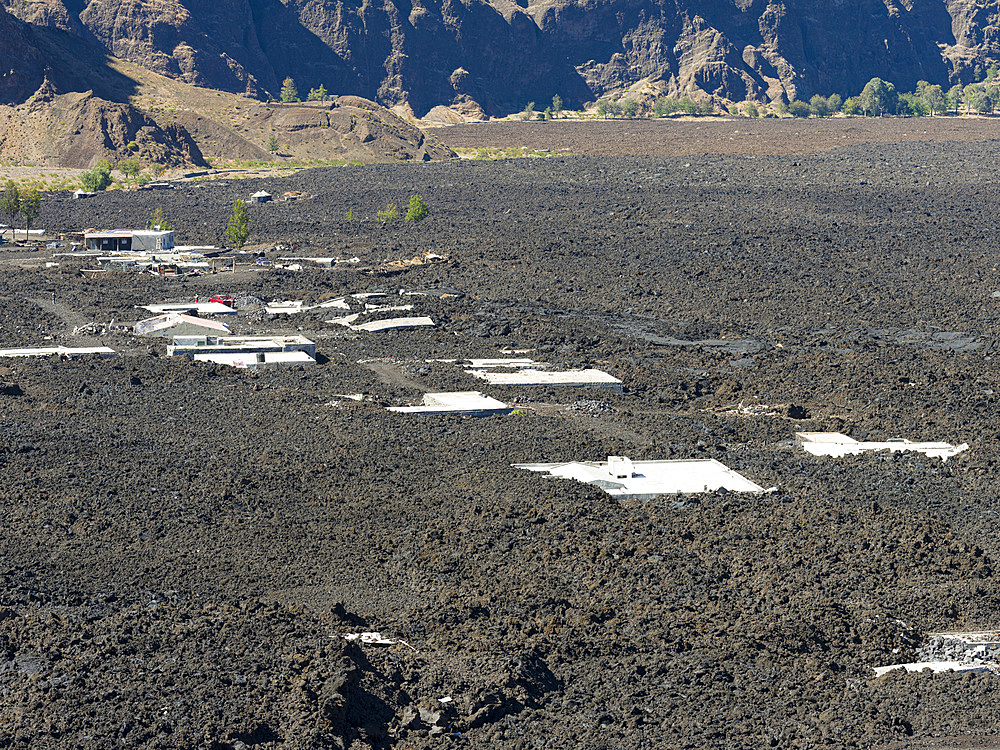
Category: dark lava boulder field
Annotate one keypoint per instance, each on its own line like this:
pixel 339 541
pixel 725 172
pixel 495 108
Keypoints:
pixel 184 546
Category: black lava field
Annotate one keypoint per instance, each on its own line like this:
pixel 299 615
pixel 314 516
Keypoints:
pixel 184 545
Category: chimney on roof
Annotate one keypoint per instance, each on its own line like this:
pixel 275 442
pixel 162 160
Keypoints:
pixel 620 467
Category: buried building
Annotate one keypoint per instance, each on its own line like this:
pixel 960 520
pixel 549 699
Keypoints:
pixel 838 445
pixel 248 352
pixel 623 478
pixel 528 376
pixel 464 403
pixel 170 325
pixel 129 240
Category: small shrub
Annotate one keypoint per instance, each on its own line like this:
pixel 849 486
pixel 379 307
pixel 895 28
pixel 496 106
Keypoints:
pixel 390 213
pixel 417 210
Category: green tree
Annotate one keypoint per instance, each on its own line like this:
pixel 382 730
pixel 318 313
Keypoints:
pixel 318 94
pixel 819 106
pixel 130 167
pixel 630 107
pixel 977 73
pixel 879 98
pixel 799 109
pixel 389 213
pixel 688 106
pixel 156 221
pixel 955 97
pixel 547 113
pixel 933 97
pixel 528 112
pixel 288 91
pixel 911 105
pixel 751 109
pixel 157 169
pixel 31 203
pixel 98 178
pixel 557 105
pixel 665 105
pixel 10 203
pixel 851 106
pixel 991 73
pixel 977 99
pixel 238 230
pixel 272 143
pixel 834 103
pixel 417 210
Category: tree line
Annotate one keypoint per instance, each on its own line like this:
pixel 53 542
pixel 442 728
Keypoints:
pixel 26 203
pixel 881 97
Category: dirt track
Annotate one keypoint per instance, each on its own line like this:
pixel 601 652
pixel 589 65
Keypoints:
pixel 184 544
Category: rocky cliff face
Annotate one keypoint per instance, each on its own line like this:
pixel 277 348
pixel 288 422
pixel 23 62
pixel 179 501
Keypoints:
pixel 22 68
pixel 493 56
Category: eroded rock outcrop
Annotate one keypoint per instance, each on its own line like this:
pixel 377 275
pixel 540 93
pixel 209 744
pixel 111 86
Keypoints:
pixel 494 56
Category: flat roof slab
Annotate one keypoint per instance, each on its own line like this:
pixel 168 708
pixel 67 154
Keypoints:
pixel 468 403
pixel 838 445
pixel 527 376
pixel 623 478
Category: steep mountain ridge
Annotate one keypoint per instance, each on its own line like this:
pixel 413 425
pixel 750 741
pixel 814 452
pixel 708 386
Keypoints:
pixel 65 102
pixel 494 56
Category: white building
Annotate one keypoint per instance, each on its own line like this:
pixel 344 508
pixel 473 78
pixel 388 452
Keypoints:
pixel 937 667
pixel 466 403
pixel 838 445
pixel 170 325
pixel 528 376
pixel 621 477
pixel 191 308
pixel 255 359
pixel 129 240
pixel 193 346
pixel 102 352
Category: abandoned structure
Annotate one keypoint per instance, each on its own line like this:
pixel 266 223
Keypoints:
pixel 178 324
pixel 102 352
pixel 623 478
pixel 465 403
pixel 838 445
pixel 256 359
pixel 191 308
pixel 200 346
pixel 129 240
pixel 527 376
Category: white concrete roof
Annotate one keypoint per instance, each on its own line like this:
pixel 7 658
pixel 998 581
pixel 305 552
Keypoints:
pixel 837 445
pixel 293 306
pixel 572 378
pixel 939 666
pixel 201 308
pixel 168 321
pixel 247 345
pixel 472 403
pixel 255 359
pixel 68 351
pixel 241 359
pixel 296 357
pixel 377 326
pixel 513 362
pixel 622 477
